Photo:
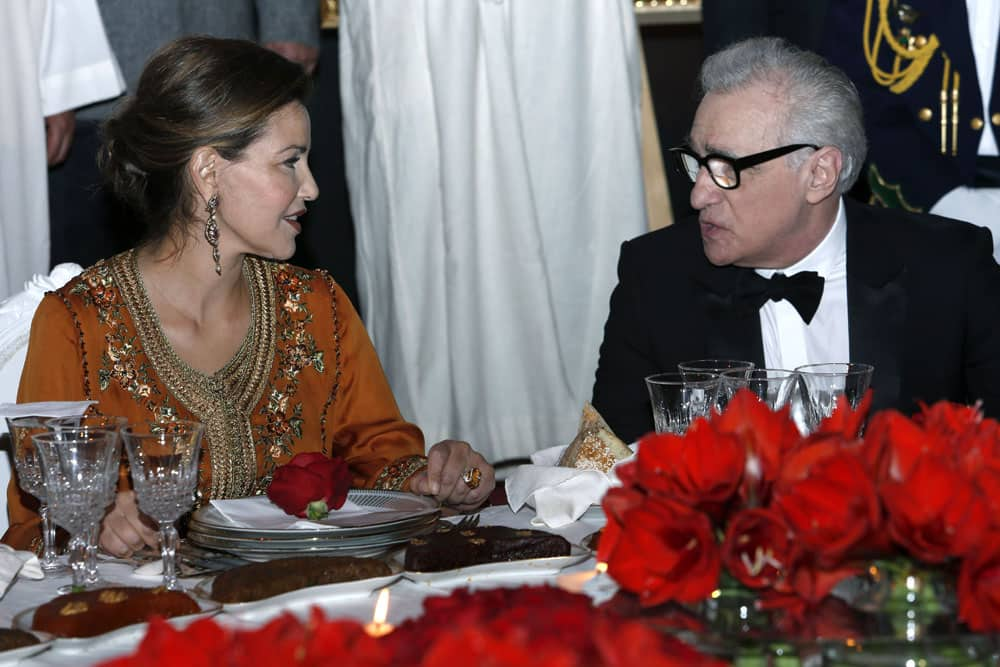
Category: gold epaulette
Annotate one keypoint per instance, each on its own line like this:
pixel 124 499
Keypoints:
pixel 911 55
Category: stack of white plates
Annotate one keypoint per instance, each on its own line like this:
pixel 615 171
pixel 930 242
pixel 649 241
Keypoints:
pixel 401 516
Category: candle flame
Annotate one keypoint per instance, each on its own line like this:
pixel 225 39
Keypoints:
pixel 602 568
pixel 381 607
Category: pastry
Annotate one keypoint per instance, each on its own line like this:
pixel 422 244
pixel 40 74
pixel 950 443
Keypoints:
pixel 11 639
pixel 448 547
pixel 91 613
pixel 257 581
pixel 595 446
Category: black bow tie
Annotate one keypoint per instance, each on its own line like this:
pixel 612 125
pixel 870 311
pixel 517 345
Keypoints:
pixel 803 290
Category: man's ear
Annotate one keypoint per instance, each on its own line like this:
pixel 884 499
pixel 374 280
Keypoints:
pixel 825 166
pixel 202 169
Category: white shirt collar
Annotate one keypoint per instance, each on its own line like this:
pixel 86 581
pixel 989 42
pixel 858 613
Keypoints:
pixel 827 257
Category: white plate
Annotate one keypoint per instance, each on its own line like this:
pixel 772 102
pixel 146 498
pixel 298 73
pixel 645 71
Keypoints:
pixel 15 655
pixel 125 636
pixel 259 610
pixel 533 567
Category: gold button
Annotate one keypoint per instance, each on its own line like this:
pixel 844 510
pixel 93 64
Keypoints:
pixel 995 119
pixel 920 41
pixel 976 123
pixel 926 114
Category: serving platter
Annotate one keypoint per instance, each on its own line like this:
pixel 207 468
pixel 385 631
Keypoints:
pixel 531 567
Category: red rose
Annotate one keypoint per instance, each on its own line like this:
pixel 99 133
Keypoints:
pixel 759 548
pixel 701 469
pixel 310 485
pixel 827 498
pixel 979 586
pixel 664 550
pixel 949 518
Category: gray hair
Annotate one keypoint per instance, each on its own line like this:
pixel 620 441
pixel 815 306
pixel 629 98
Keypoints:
pixel 822 106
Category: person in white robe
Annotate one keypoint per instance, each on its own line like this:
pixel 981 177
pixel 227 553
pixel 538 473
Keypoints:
pixel 56 58
pixel 494 167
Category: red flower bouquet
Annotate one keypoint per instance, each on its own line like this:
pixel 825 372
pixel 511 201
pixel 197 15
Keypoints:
pixel 310 485
pixel 790 516
pixel 524 627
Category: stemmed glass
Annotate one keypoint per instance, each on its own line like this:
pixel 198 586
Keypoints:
pixel 163 457
pixel 72 426
pixel 78 469
pixel 825 383
pixel 678 399
pixel 28 463
pixel 775 387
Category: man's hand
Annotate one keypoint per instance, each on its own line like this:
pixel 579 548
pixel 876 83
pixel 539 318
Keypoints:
pixel 58 136
pixel 447 462
pixel 297 52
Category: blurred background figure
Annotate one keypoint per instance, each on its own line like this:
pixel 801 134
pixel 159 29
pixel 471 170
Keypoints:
pixel 925 70
pixel 493 162
pixel 56 57
pixel 87 223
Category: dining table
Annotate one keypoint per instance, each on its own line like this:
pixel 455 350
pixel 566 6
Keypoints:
pixel 406 595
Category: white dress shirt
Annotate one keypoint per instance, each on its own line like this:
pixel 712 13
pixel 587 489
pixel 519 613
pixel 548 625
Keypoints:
pixel 788 340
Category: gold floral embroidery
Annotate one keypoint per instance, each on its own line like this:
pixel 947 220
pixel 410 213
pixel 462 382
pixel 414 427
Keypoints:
pixel 394 475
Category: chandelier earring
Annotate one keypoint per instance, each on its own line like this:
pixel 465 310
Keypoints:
pixel 212 230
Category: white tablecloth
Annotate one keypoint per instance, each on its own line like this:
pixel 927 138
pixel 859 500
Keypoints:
pixel 406 598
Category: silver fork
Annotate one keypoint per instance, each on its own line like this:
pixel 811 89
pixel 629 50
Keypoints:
pixel 468 521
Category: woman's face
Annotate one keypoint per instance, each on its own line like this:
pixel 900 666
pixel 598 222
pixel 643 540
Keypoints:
pixel 263 194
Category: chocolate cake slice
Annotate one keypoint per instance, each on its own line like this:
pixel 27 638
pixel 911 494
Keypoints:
pixel 11 639
pixel 257 581
pixel 448 548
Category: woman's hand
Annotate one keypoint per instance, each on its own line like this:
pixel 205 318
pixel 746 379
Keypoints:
pixel 449 464
pixel 123 531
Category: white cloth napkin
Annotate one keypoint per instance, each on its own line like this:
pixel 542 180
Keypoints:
pixel 17 563
pixel 45 409
pixel 259 513
pixel 559 495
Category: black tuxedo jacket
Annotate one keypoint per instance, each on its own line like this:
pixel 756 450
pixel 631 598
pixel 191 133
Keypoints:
pixel 923 299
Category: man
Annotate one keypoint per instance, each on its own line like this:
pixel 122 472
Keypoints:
pixel 776 141
pixel 925 72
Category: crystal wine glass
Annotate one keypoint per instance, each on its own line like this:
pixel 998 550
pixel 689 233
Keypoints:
pixel 718 367
pixel 163 457
pixel 28 463
pixel 825 383
pixel 77 471
pixel 678 399
pixel 76 425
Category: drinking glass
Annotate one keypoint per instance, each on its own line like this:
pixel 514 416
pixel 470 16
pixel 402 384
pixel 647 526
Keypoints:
pixel 163 457
pixel 775 387
pixel 680 398
pixel 77 469
pixel 28 463
pixel 825 383
pixel 718 367
pixel 76 425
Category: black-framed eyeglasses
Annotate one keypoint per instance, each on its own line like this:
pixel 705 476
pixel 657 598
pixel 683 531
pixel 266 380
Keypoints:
pixel 725 171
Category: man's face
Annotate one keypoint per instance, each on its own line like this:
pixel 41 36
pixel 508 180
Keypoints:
pixel 757 224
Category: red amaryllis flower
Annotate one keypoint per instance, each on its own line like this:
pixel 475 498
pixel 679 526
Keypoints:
pixel 627 643
pixel 310 485
pixel 759 548
pixel 765 437
pixel 617 504
pixel 831 505
pixel 893 443
pixel 979 586
pixel 701 469
pixel 665 551
pixel 935 513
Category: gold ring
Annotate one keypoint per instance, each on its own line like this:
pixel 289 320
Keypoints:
pixel 472 477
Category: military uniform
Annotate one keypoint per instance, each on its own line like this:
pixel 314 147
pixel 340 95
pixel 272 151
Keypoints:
pixel 914 67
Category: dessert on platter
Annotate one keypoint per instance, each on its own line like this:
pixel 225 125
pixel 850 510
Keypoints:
pixel 94 612
pixel 595 446
pixel 11 639
pixel 452 547
pixel 257 581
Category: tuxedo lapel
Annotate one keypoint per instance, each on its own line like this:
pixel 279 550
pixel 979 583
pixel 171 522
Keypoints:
pixel 876 303
pixel 733 331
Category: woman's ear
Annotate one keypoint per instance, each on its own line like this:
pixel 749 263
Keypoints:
pixel 824 173
pixel 202 169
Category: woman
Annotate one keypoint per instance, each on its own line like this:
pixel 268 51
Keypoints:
pixel 202 321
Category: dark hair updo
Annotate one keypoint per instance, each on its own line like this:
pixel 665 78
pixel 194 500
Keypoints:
pixel 195 91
